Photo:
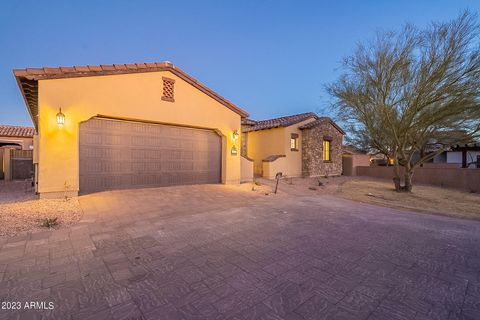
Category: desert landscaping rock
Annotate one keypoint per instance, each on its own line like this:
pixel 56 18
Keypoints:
pixel 18 217
pixel 21 211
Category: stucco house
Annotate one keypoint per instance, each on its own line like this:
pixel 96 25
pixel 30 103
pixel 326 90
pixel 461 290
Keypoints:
pixel 298 145
pixel 128 125
pixel 462 156
pixel 17 137
pixel 16 144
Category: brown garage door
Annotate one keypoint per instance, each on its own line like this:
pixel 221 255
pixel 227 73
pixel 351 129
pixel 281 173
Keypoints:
pixel 118 154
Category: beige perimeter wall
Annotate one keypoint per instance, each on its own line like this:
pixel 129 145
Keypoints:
pixel 455 178
pixel 133 96
pixel 247 169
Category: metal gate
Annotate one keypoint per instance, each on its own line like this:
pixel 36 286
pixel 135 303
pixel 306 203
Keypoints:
pixel 21 162
pixel 117 154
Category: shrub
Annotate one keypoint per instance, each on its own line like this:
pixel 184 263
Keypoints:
pixel 50 222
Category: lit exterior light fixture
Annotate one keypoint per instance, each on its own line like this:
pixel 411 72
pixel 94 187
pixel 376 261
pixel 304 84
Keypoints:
pixel 234 151
pixel 60 117
pixel 235 135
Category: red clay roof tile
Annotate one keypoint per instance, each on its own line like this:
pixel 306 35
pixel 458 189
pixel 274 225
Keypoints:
pixel 35 71
pixel 67 69
pixel 16 131
pixel 95 68
pixel 24 76
pixel 319 121
pixel 81 68
pixel 107 67
pixel 278 122
pixel 51 70
pixel 120 67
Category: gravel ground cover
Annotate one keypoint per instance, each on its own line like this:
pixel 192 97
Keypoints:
pixel 21 211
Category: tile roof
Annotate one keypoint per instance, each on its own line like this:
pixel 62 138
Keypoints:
pixel 248 122
pixel 28 80
pixel 16 131
pixel 273 157
pixel 319 121
pixel 279 122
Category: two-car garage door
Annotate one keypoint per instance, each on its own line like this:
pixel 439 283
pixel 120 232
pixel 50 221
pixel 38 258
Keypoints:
pixel 118 154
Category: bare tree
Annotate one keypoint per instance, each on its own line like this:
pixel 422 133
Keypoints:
pixel 412 94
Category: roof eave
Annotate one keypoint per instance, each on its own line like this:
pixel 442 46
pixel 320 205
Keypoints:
pixel 32 116
pixel 329 121
pixel 22 73
pixel 280 125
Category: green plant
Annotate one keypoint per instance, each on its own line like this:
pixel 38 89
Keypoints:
pixel 50 222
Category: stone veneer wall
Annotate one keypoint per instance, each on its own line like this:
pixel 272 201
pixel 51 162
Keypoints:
pixel 312 151
pixel 243 147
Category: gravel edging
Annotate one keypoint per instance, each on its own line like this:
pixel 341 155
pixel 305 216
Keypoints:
pixel 27 216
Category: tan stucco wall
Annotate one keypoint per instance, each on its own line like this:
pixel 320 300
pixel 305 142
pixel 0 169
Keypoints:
pixel 247 170
pixel 133 96
pixel 270 169
pixel 293 164
pixel 264 143
pixel 25 142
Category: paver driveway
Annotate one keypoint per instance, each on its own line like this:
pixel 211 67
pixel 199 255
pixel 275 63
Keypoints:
pixel 217 252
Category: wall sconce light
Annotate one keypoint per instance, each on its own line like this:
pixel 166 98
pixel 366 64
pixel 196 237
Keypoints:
pixel 60 117
pixel 234 151
pixel 235 136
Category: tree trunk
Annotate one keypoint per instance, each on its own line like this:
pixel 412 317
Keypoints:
pixel 396 176
pixel 408 180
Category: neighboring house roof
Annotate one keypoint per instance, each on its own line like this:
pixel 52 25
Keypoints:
pixel 16 131
pixel 248 122
pixel 319 121
pixel 278 122
pixel 27 80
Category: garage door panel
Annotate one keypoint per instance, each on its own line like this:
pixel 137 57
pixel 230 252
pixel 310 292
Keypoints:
pixel 120 154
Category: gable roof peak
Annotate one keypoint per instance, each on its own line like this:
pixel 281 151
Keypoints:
pixel 27 80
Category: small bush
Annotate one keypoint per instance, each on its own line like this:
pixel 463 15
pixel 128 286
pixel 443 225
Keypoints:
pixel 50 222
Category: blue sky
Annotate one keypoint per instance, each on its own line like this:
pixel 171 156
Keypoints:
pixel 271 58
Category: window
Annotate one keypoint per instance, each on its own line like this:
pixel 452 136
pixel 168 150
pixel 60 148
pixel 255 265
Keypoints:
pixel 294 142
pixel 326 150
pixel 168 89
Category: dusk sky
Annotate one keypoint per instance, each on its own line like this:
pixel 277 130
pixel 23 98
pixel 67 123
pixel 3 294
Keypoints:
pixel 271 58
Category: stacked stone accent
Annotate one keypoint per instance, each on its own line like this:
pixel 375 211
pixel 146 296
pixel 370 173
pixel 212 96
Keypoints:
pixel 312 151
pixel 244 141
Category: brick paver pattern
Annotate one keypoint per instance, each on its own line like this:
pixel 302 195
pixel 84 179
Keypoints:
pixel 216 252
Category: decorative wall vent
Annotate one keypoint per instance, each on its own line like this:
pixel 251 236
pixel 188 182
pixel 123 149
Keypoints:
pixel 168 89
